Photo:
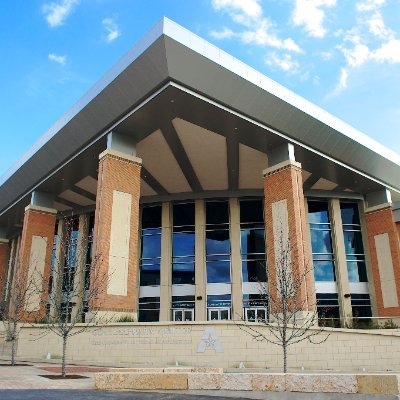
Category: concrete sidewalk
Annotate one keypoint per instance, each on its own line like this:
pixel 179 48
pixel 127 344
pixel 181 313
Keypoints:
pixel 28 377
pixel 26 382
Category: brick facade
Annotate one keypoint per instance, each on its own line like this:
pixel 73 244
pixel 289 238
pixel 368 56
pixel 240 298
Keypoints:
pixel 4 252
pixel 380 222
pixel 122 174
pixel 39 223
pixel 286 184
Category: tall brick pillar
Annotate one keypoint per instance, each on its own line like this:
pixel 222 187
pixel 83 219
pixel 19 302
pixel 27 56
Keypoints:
pixel 35 255
pixel 4 252
pixel 285 221
pixel 117 230
pixel 383 238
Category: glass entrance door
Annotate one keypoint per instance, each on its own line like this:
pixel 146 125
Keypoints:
pixel 183 314
pixel 219 314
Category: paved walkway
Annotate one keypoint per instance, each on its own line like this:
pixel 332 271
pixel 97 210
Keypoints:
pixel 29 378
pixel 25 382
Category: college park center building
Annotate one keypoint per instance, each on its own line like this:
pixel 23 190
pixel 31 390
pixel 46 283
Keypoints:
pixel 181 164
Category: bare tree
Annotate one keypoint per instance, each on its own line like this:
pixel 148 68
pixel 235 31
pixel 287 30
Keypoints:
pixel 292 319
pixel 76 282
pixel 20 300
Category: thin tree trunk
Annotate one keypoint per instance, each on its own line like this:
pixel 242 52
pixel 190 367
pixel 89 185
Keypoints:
pixel 13 350
pixel 13 344
pixel 63 368
pixel 284 358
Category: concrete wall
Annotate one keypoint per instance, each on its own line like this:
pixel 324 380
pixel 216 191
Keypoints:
pixel 221 344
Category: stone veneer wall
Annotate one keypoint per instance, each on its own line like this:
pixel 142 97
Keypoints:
pixel 195 344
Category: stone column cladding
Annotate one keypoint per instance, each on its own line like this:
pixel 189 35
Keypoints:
pixel 4 252
pixel 342 276
pixel 384 247
pixel 116 232
pixel 35 254
pixel 236 261
pixel 283 187
pixel 166 263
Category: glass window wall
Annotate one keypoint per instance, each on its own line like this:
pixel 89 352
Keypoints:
pixel 252 241
pixel 183 244
pixel 149 309
pixel 328 309
pixel 355 255
pixel 218 247
pixel 321 240
pixel 150 258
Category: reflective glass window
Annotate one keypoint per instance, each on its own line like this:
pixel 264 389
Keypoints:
pixel 183 244
pixel 252 240
pixel 150 255
pixel 353 242
pixel 71 242
pixel 149 309
pixel 218 247
pixel 321 240
pixel 362 310
pixel 328 309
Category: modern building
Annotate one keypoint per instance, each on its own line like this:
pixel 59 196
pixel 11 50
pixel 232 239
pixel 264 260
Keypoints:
pixel 183 166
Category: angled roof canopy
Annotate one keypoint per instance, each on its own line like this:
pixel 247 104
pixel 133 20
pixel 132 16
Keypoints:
pixel 171 89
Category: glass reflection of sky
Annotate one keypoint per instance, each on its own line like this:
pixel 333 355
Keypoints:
pixel 217 242
pixel 353 242
pixel 318 212
pixel 350 215
pixel 321 241
pixel 218 272
pixel 183 244
pixel 151 246
pixel 324 271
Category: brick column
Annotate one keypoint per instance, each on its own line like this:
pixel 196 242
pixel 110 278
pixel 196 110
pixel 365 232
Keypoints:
pixel 285 217
pixel 35 254
pixel 383 237
pixel 4 252
pixel 117 231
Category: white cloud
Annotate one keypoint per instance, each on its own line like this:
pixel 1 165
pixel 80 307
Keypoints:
pixel 58 59
pixel 258 29
pixel 56 13
pixel 389 52
pixel 377 26
pixel 357 56
pixel 263 36
pixel 370 5
pixel 311 15
pixel 341 84
pixel 226 33
pixel 241 11
pixel 284 62
pixel 113 31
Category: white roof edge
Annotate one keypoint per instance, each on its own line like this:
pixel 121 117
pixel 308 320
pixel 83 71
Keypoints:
pixel 215 54
pixel 231 63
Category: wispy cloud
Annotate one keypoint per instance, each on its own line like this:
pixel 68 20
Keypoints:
pixel 57 59
pixel 258 30
pixel 311 15
pixel 285 62
pixel 56 13
pixel 113 31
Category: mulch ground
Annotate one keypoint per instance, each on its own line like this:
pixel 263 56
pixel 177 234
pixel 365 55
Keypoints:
pixel 75 369
pixel 55 377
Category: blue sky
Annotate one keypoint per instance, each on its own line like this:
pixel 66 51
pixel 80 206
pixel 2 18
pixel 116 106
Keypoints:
pixel 342 55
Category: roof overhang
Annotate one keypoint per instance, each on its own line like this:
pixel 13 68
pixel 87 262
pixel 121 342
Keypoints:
pixel 173 74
